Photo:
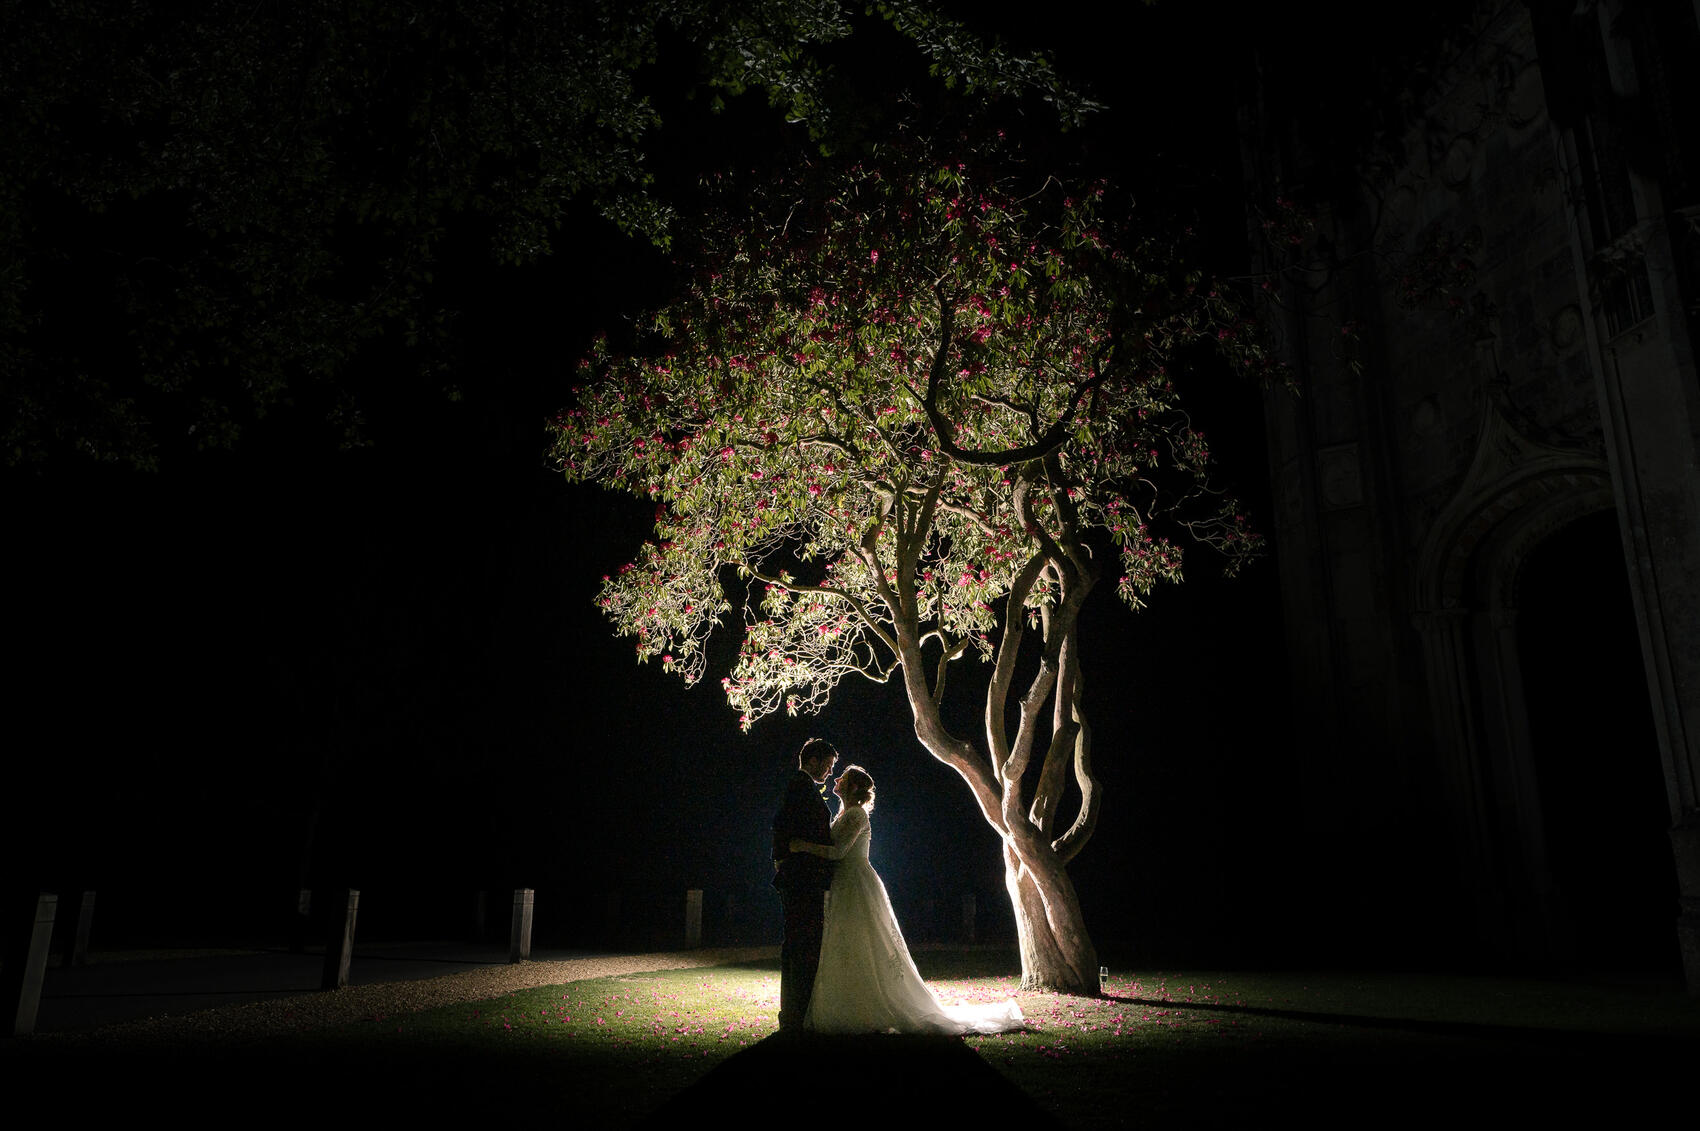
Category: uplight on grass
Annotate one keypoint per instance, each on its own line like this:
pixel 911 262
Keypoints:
pixel 1171 1047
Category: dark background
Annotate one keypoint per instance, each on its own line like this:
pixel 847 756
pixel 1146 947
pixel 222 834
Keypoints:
pixel 291 665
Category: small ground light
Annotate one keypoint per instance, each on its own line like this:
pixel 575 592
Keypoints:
pixel 1103 978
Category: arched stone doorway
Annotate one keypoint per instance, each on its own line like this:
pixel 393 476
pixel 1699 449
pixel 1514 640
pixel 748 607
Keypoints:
pixel 1595 752
pixel 1516 495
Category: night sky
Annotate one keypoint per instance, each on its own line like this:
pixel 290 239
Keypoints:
pixel 384 668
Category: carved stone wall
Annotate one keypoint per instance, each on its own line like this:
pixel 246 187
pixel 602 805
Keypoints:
pixel 1491 339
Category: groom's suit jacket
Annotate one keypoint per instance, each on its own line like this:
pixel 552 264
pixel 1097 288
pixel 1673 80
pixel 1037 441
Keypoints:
pixel 802 815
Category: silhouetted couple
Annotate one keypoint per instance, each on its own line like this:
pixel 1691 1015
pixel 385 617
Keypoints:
pixel 844 967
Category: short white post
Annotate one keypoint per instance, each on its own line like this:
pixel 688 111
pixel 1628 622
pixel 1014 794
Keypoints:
pixel 77 945
pixel 519 934
pixel 27 943
pixel 339 949
pixel 693 918
pixel 301 924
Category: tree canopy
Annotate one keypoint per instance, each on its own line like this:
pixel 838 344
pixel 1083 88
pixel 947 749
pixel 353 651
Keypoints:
pixel 913 391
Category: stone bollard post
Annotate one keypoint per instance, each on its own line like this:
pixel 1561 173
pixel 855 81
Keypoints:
pixel 693 918
pixel 968 917
pixel 74 949
pixel 301 923
pixel 519 934
pixel 339 950
pixel 29 936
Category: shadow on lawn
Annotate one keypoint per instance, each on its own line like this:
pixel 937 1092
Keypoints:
pixel 1577 1039
pixel 908 1079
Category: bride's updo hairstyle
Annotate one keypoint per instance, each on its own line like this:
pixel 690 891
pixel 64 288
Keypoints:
pixel 859 788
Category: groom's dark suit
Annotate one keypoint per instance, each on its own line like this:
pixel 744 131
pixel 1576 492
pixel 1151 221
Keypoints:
pixel 801 878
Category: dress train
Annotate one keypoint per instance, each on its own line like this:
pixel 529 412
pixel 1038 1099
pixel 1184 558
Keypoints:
pixel 867 982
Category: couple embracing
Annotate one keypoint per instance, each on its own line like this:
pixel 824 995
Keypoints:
pixel 844 966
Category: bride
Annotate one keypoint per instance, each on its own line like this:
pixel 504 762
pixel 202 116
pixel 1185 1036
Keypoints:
pixel 867 983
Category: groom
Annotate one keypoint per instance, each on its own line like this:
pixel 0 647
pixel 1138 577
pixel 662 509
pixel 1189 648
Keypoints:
pixel 802 878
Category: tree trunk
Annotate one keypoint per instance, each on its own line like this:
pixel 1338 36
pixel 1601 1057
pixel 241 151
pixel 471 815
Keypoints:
pixel 1056 952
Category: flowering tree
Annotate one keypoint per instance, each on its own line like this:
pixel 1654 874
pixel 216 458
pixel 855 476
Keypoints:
pixel 906 413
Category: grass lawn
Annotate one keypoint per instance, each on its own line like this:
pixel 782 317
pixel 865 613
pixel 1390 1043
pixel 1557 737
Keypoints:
pixel 1160 1049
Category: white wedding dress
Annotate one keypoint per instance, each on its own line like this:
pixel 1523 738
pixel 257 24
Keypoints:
pixel 867 983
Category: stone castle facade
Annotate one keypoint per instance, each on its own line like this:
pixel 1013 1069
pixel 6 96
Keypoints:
pixel 1489 466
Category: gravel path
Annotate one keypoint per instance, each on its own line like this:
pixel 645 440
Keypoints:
pixel 324 1009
